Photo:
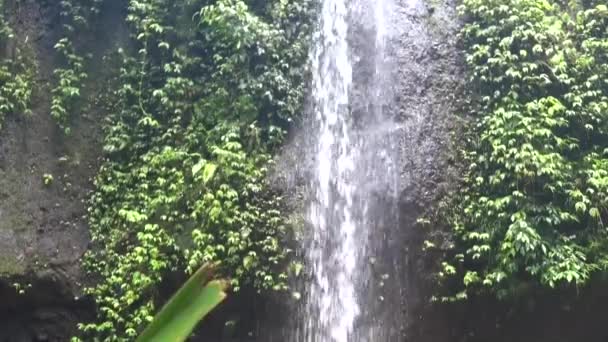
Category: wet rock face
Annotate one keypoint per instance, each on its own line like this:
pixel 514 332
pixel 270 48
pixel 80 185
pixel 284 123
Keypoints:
pixel 429 93
pixel 428 80
pixel 46 312
pixel 43 228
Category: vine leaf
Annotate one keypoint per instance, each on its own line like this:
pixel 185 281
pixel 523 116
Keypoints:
pixel 198 167
pixel 208 172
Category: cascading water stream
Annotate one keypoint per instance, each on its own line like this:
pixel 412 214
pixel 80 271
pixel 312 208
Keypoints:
pixel 352 163
pixel 330 212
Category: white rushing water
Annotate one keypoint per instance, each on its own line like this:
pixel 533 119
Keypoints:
pixel 344 159
pixel 333 291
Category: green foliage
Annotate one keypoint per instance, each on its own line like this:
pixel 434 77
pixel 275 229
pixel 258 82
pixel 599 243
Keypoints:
pixel 70 79
pixel 197 111
pixel 17 71
pixel 47 179
pixel 192 302
pixel 75 16
pixel 535 204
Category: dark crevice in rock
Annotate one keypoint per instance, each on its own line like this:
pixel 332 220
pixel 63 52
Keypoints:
pixel 43 311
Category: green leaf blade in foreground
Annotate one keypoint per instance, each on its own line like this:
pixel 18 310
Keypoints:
pixel 178 318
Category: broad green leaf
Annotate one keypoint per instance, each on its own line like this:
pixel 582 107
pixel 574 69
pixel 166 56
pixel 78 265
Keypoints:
pixel 209 172
pixel 192 302
pixel 198 167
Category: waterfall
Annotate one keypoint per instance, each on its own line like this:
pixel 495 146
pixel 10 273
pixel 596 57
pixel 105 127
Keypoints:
pixel 354 176
pixel 331 211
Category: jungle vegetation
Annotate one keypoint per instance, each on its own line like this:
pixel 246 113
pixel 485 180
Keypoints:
pixel 204 92
pixel 533 208
pixel 200 98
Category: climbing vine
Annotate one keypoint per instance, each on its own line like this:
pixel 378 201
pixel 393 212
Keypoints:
pixel 75 16
pixel 17 71
pixel 535 201
pixel 202 100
